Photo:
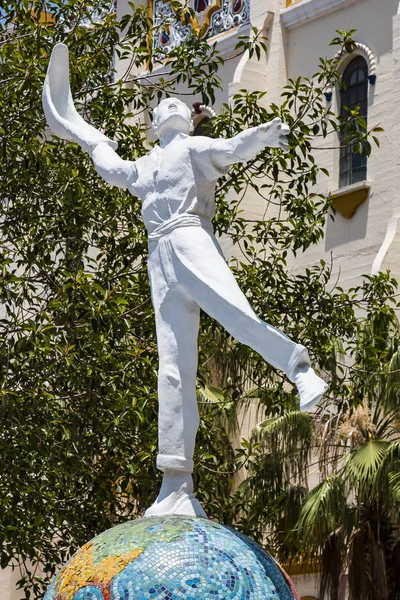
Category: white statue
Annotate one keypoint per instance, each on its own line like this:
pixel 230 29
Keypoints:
pixel 176 182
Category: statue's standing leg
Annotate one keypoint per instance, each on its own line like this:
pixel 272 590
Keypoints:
pixel 177 324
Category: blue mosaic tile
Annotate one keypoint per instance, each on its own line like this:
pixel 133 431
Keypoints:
pixel 171 558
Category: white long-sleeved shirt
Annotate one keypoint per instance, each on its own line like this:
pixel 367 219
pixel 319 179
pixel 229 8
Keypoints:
pixel 176 183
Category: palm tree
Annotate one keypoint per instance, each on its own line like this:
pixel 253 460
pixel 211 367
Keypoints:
pixel 352 518
pixel 349 522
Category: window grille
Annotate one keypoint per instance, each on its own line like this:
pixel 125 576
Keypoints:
pixel 201 128
pixel 353 165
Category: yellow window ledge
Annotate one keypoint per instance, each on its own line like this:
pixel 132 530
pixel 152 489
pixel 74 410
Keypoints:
pixel 348 199
pixel 291 2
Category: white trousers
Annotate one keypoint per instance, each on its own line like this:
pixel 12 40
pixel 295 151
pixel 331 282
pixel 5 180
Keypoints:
pixel 187 272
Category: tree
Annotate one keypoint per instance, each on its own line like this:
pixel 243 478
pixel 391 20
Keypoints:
pixel 78 350
pixel 353 515
pixel 350 521
pixel 77 342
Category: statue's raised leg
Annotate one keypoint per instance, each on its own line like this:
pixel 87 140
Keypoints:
pixel 198 265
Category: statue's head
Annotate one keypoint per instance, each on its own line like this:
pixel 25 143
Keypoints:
pixel 172 115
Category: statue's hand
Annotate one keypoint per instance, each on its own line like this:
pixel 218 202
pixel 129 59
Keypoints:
pixel 59 109
pixel 274 134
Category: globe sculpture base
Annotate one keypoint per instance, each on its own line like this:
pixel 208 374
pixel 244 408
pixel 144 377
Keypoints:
pixel 171 558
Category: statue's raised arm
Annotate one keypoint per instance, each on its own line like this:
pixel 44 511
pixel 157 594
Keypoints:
pixel 65 122
pixel 58 106
pixel 248 143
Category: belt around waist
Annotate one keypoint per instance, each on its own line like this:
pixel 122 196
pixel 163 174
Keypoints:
pixel 184 220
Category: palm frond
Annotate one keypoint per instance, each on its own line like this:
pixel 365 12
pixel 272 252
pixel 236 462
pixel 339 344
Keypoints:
pixel 290 422
pixel 224 408
pixel 394 482
pixel 389 475
pixel 364 462
pixel 322 510
pixel 288 438
pixel 394 472
pixel 394 452
pixel 393 382
pixel 374 470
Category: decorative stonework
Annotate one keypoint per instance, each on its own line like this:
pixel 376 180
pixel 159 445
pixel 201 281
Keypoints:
pixel 201 115
pixel 213 17
pixel 359 49
pixel 173 32
pixel 201 111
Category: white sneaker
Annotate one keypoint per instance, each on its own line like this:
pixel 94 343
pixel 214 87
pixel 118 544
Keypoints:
pixel 311 388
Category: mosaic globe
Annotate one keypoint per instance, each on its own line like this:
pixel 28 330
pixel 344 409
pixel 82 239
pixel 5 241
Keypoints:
pixel 171 558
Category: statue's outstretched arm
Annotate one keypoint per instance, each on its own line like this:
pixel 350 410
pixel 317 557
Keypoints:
pixel 66 122
pixel 112 168
pixel 247 144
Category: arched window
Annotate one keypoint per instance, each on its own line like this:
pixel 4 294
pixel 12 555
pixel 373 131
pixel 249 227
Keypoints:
pixel 353 166
pixel 201 127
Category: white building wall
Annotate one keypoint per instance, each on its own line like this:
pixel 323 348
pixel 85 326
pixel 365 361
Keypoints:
pixel 354 243
pixel 8 582
pixel 389 256
pixel 359 244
